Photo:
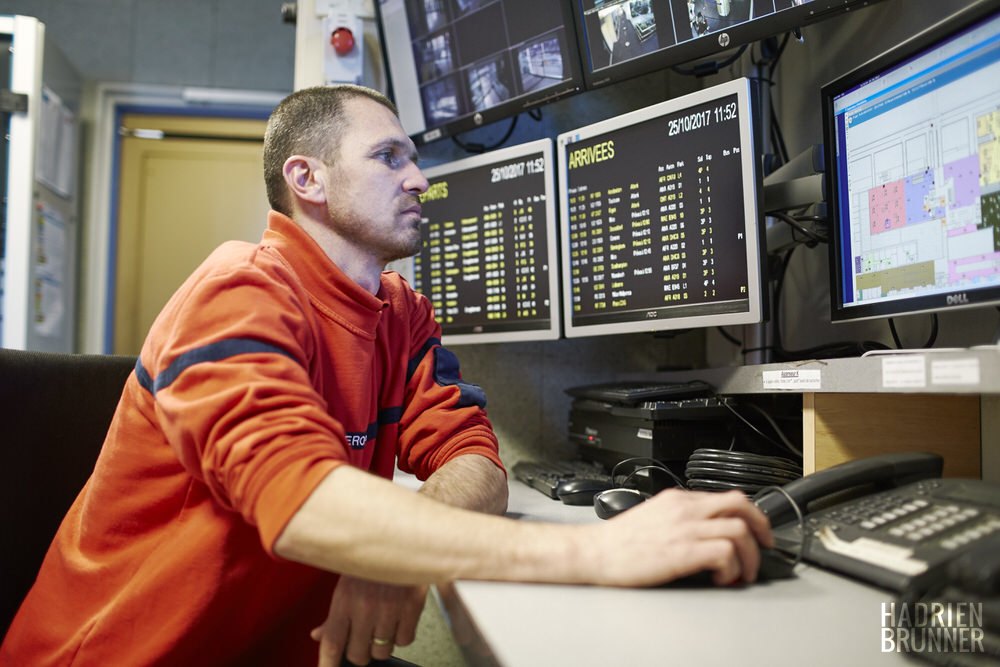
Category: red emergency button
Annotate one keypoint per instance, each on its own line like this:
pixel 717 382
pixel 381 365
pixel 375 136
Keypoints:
pixel 342 41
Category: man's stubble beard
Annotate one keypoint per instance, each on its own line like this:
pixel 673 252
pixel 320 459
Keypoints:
pixel 402 244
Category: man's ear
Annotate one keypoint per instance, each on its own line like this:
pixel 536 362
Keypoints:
pixel 302 176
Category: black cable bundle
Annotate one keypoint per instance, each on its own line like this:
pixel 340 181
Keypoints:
pixel 722 470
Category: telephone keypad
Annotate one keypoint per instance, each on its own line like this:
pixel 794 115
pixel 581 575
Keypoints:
pixel 934 521
pixel 916 520
pixel 878 512
pixel 971 534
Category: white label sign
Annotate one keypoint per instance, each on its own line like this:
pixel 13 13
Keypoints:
pixel 795 380
pixel 958 371
pixel 906 370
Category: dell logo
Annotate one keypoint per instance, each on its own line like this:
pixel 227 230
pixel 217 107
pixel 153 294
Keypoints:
pixel 957 299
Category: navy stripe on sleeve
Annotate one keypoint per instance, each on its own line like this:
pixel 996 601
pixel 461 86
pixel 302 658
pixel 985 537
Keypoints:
pixel 217 351
pixel 411 367
pixel 446 373
pixel 142 375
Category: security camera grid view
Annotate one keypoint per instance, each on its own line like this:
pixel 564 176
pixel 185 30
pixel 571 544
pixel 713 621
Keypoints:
pixel 472 55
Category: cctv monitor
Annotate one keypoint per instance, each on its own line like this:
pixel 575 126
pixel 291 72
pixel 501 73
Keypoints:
pixel 913 173
pixel 489 262
pixel 660 223
pixel 454 65
pixel 624 38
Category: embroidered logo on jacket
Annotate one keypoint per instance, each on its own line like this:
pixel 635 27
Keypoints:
pixel 386 417
pixel 357 440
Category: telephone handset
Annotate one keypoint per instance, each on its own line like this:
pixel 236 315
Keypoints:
pixel 850 478
pixel 888 520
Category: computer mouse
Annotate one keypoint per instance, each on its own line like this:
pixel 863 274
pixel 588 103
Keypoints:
pixel 615 501
pixel 773 565
pixel 580 491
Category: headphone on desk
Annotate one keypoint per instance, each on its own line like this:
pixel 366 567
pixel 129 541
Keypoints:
pixel 721 470
pixel 651 465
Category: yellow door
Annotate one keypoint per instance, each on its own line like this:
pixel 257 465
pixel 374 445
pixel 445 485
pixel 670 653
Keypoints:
pixel 180 196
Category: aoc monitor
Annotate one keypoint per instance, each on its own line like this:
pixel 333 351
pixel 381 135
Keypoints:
pixel 624 38
pixel 455 65
pixel 489 262
pixel 913 173
pixel 660 223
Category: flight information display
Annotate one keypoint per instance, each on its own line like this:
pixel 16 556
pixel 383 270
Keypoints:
pixel 488 262
pixel 660 224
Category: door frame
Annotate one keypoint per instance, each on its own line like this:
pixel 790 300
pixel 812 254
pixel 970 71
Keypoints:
pixel 108 102
pixel 28 41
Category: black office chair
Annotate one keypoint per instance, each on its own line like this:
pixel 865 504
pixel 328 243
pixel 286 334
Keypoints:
pixel 54 413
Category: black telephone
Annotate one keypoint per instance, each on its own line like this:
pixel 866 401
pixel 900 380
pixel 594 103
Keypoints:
pixel 888 520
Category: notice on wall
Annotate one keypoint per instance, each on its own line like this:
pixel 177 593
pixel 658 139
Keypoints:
pixel 56 162
pixel 50 261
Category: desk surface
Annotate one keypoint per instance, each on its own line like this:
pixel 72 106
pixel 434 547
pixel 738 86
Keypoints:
pixel 817 619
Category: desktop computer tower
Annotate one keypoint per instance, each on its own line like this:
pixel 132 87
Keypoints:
pixel 668 431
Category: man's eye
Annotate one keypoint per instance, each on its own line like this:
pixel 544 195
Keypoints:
pixel 389 157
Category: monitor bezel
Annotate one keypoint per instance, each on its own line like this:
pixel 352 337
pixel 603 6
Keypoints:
pixel 576 84
pixel 709 44
pixel 906 50
pixel 543 146
pixel 753 216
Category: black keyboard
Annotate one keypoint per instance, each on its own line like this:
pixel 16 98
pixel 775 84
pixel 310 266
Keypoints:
pixel 631 393
pixel 545 477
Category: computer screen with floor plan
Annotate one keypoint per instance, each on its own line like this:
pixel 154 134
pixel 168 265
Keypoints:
pixel 913 149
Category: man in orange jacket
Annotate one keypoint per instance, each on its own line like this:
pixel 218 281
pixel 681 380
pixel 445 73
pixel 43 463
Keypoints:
pixel 242 494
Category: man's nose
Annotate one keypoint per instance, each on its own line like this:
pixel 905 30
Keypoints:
pixel 416 182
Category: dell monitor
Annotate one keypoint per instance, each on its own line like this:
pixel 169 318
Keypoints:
pixel 660 223
pixel 624 38
pixel 489 262
pixel 454 65
pixel 913 173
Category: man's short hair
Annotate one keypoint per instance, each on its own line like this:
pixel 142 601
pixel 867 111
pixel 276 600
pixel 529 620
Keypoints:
pixel 308 122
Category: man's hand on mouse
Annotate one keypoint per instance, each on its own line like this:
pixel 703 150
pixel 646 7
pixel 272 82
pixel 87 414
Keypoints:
pixel 679 533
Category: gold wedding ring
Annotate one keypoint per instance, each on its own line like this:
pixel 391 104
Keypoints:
pixel 378 641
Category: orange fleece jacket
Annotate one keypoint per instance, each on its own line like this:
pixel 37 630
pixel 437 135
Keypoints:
pixel 267 369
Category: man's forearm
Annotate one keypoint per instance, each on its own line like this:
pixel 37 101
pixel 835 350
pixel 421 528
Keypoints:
pixel 472 482
pixel 361 525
